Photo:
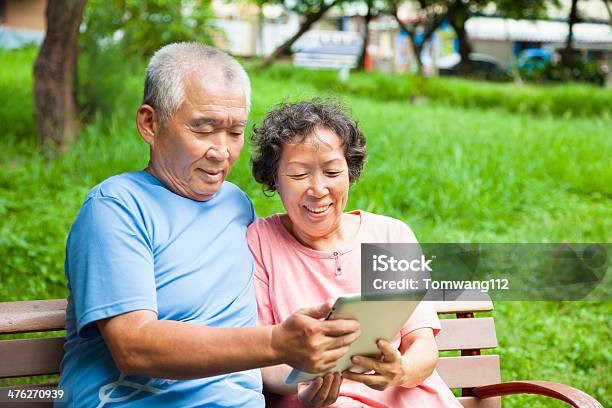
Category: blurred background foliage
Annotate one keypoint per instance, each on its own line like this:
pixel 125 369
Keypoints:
pixel 139 28
pixel 123 33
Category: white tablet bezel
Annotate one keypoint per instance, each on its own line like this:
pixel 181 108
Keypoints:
pixel 379 319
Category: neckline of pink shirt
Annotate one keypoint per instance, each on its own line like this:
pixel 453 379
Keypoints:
pixel 344 249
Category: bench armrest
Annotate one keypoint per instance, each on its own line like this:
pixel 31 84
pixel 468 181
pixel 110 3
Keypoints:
pixel 562 392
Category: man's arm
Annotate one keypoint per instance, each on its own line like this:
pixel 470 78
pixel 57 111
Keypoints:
pixel 143 345
pixel 274 380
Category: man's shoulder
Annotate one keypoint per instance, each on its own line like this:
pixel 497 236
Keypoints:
pixel 121 187
pixel 232 198
pixel 232 189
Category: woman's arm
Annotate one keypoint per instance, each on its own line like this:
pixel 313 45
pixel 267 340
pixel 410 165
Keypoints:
pixel 408 367
pixel 420 355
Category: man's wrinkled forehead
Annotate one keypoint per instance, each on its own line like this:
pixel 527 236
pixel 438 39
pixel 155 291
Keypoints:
pixel 214 88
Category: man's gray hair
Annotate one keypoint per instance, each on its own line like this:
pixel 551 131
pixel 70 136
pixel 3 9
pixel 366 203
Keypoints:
pixel 164 83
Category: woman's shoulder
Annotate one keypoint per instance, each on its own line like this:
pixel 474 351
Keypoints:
pixel 265 226
pixel 382 228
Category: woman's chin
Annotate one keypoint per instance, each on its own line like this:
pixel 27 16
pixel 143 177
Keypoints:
pixel 315 226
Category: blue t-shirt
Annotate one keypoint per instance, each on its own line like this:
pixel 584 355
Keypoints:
pixel 136 245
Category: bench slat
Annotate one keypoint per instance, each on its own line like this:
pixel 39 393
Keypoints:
pixel 463 306
pixel 469 371
pixel 32 316
pixel 466 334
pixel 25 357
pixel 473 402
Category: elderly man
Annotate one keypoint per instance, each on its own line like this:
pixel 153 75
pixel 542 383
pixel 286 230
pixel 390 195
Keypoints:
pixel 161 309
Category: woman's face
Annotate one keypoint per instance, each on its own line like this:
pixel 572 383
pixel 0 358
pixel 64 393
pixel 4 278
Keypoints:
pixel 313 183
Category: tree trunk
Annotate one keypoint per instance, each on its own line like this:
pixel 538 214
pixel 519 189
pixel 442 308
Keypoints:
pixel 416 49
pixel 607 4
pixel 567 56
pixel 259 41
pixel 459 16
pixel 364 49
pixel 309 20
pixel 429 29
pixel 55 74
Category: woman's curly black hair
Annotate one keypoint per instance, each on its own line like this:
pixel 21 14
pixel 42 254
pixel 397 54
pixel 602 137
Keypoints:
pixel 293 122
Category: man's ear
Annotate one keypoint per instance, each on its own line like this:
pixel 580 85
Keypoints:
pixel 146 122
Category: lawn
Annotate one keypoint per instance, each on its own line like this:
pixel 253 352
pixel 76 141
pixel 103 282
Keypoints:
pixel 453 169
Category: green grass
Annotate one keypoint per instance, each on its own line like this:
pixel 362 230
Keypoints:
pixel 453 170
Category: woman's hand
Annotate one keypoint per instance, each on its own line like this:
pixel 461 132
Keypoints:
pixel 321 391
pixel 391 370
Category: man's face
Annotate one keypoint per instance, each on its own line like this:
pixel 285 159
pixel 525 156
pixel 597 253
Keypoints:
pixel 194 151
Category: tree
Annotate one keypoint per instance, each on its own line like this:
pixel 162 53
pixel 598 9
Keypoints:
pixel 375 8
pixel 458 16
pixel 431 15
pixel 55 73
pixel 311 11
pixel 607 5
pixel 530 9
pixel 567 55
pixel 459 11
pixel 139 28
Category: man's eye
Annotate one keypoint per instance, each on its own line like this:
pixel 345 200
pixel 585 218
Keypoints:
pixel 203 131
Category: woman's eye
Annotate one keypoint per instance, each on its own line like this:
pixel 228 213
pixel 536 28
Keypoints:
pixel 333 173
pixel 297 176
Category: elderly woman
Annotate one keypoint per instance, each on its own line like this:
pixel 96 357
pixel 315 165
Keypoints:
pixel 311 152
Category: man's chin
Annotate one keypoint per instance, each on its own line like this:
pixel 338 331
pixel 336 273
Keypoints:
pixel 204 193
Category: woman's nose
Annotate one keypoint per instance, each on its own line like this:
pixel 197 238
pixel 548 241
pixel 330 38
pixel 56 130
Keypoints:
pixel 318 188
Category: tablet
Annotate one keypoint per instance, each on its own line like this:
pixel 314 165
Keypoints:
pixel 379 319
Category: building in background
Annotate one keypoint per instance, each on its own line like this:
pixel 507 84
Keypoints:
pixel 504 39
pixel 22 22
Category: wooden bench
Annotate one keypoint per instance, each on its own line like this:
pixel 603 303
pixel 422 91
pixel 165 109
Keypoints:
pixel 328 49
pixel 478 376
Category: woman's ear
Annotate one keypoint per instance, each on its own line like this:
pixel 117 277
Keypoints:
pixel 146 122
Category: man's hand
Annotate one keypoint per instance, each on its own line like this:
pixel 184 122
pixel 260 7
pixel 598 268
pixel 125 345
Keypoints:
pixel 321 391
pixel 309 344
pixel 391 370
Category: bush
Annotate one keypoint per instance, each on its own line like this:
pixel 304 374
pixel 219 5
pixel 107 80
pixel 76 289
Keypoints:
pixel 16 82
pixel 109 82
pixel 568 99
pixel 581 71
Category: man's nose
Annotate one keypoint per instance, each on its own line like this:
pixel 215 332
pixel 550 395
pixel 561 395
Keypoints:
pixel 219 151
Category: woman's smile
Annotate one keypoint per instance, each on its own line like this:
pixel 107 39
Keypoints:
pixel 317 209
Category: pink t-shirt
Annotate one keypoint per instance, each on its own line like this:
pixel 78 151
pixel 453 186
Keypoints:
pixel 290 276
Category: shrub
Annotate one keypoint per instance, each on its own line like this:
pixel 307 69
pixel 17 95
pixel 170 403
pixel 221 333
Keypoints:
pixel 567 99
